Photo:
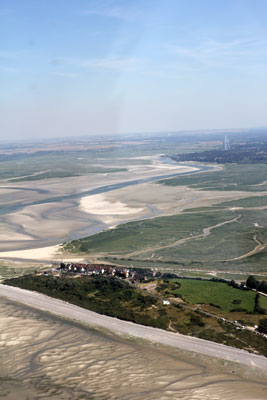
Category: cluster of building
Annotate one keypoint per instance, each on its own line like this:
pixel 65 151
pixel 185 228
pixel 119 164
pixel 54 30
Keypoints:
pixel 91 269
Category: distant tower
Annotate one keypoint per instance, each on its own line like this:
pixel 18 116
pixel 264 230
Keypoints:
pixel 226 143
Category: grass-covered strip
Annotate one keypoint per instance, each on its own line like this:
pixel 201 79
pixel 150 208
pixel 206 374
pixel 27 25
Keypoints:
pixel 218 294
pixel 263 302
pixel 7 271
pixel 65 174
pixel 223 243
pixel 114 297
pixel 230 177
pixel 140 235
pixel 248 202
pixel 154 241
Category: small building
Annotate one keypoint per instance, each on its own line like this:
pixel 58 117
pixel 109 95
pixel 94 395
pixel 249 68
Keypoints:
pixel 166 302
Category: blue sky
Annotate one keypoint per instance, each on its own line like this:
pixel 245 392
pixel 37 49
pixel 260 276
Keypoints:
pixel 98 67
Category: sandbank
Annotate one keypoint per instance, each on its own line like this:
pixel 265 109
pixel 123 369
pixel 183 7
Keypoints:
pixel 42 253
pixel 98 205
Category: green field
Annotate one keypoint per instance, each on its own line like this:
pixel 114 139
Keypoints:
pixel 7 272
pixel 154 241
pixel 263 302
pixel 218 294
pixel 225 242
pixel 248 202
pixel 232 177
pixel 144 234
pixel 104 156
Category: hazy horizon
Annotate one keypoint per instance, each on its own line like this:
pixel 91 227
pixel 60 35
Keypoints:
pixel 122 67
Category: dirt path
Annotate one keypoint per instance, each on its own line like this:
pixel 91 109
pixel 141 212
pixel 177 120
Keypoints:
pixel 260 246
pixel 205 233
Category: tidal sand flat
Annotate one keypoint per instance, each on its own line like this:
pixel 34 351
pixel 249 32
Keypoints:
pixel 39 214
pixel 45 357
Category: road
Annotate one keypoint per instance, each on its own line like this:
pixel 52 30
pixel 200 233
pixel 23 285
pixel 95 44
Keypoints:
pixel 125 328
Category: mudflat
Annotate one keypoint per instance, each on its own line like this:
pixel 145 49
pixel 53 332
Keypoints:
pixel 38 216
pixel 43 356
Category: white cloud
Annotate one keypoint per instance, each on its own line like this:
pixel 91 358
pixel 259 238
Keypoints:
pixel 114 12
pixel 121 11
pixel 112 63
pixel 213 51
pixel 66 75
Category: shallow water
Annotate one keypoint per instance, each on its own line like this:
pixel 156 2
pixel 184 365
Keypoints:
pixel 10 208
pixel 45 357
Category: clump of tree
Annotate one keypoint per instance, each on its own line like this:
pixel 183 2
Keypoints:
pixel 234 284
pixel 103 294
pixel 254 283
pixel 258 308
pixel 242 153
pixel 262 328
pixel 196 320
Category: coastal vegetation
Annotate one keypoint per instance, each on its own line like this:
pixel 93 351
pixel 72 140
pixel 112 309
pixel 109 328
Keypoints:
pixel 217 294
pixel 68 158
pixel 144 304
pixel 220 239
pixel 247 177
pixel 241 153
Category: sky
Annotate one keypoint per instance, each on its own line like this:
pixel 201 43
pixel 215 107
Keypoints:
pixel 96 67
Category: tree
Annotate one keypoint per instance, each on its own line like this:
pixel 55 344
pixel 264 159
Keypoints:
pixel 263 287
pixel 252 282
pixel 233 284
pixel 263 325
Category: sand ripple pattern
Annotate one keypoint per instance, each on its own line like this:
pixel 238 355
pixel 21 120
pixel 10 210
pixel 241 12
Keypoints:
pixel 44 357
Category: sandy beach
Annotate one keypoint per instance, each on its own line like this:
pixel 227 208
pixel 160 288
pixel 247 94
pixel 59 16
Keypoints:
pixel 126 328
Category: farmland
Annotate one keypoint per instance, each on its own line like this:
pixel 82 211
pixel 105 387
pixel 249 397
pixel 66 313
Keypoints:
pixel 218 294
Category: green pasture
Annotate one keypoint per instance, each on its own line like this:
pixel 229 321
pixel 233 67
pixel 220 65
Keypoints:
pixel 215 293
pixel 263 302
pixel 247 202
pixel 211 252
pixel 7 272
pixel 225 242
pixel 215 251
pixel 246 177
pixel 114 156
pixel 141 235
pixel 253 201
pixel 46 166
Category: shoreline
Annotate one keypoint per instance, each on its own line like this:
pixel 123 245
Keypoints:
pixel 130 329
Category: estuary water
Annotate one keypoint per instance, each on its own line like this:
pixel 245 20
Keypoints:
pixel 9 208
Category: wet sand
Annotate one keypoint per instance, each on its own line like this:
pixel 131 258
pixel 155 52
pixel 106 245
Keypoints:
pixel 48 212
pixel 130 329
pixel 44 226
pixel 37 216
pixel 45 357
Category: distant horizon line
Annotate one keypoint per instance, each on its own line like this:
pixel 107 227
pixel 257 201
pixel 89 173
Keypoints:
pixel 131 134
